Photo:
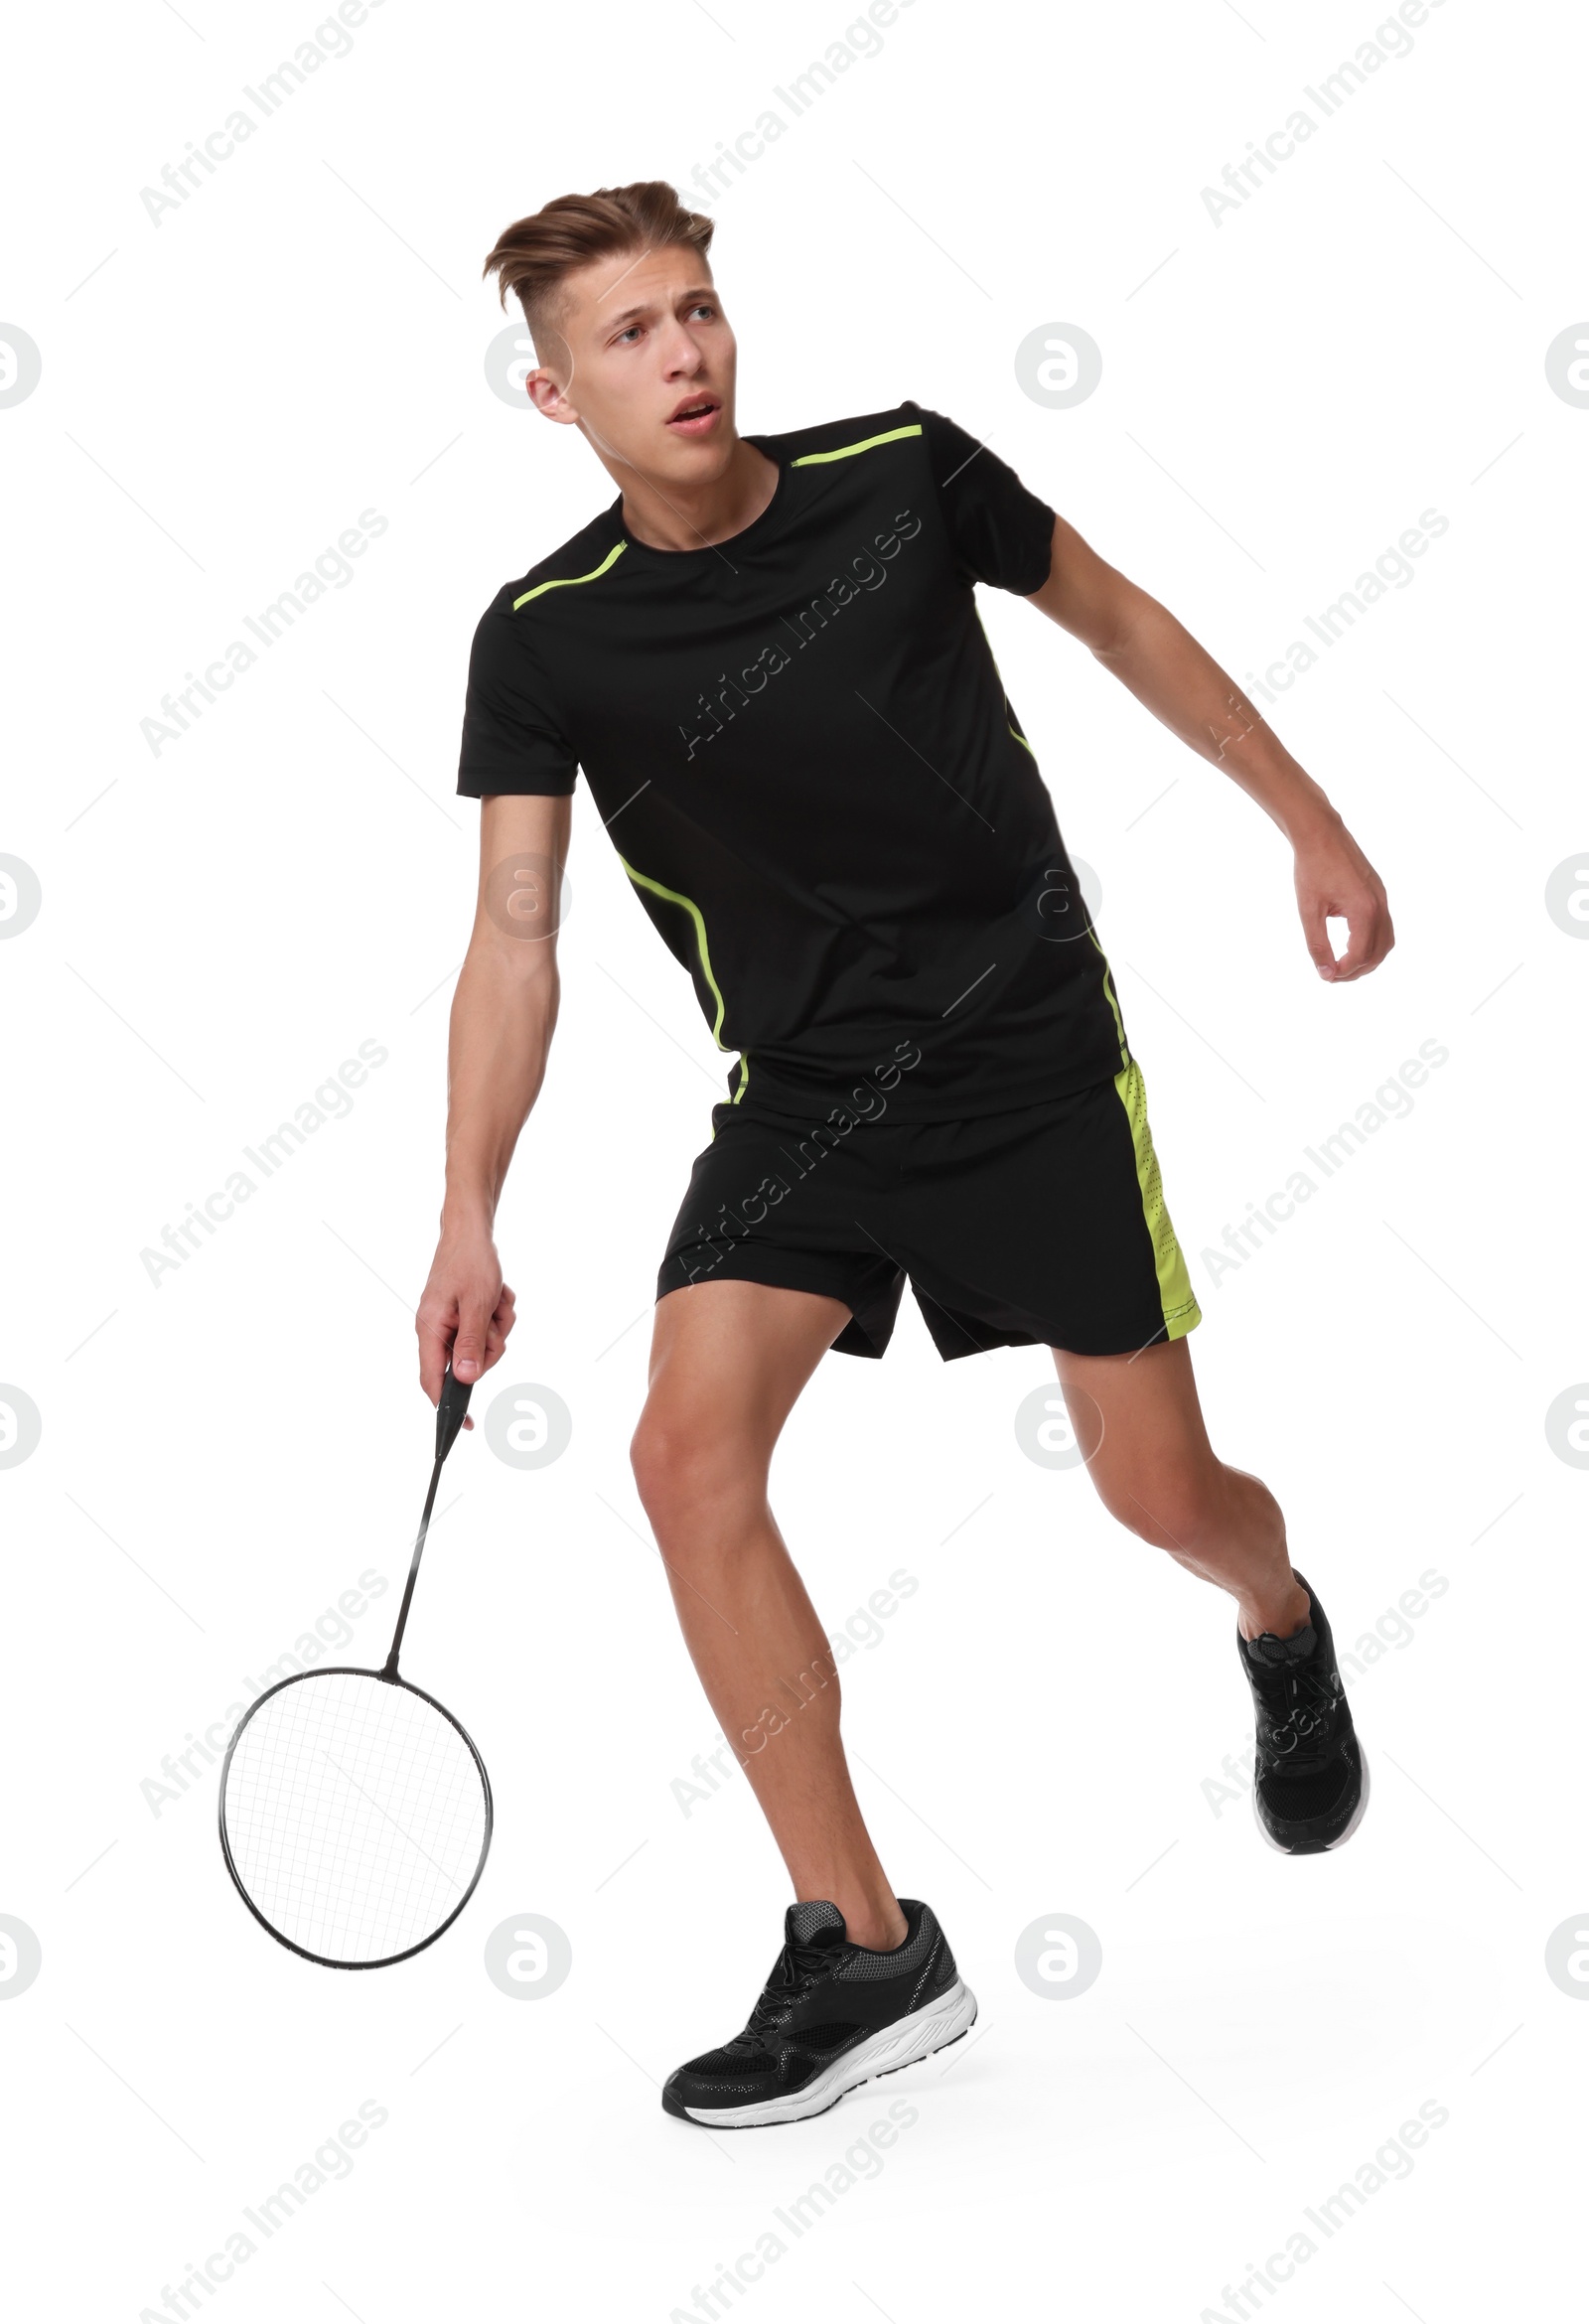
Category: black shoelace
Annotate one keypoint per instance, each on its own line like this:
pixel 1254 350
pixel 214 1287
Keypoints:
pixel 1299 1706
pixel 797 1967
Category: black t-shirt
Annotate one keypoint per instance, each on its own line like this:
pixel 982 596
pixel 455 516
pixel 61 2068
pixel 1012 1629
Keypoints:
pixel 800 746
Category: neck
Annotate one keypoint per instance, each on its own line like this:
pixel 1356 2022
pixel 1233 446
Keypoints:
pixel 689 517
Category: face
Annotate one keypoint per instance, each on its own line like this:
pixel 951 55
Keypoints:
pixel 648 376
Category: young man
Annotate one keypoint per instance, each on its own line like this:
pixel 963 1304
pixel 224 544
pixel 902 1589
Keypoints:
pixel 766 655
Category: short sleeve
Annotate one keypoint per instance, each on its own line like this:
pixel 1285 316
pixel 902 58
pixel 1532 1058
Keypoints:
pixel 1002 534
pixel 511 741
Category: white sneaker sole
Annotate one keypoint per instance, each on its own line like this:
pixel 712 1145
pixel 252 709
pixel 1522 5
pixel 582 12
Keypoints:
pixel 905 2043
pixel 1340 1838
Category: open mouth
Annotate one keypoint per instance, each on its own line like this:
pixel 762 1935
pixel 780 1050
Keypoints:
pixel 696 416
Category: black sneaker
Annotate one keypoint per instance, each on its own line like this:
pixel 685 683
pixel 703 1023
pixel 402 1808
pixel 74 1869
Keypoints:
pixel 832 2016
pixel 1310 1780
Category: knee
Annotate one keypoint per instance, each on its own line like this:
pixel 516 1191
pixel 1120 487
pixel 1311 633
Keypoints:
pixel 685 1469
pixel 660 1455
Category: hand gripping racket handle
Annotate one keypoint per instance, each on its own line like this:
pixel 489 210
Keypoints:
pixel 450 1410
pixel 451 1406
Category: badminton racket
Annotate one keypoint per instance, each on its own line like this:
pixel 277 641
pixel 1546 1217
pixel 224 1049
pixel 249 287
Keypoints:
pixel 354 1811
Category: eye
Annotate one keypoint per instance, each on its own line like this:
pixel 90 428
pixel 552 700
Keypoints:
pixel 623 335
pixel 703 307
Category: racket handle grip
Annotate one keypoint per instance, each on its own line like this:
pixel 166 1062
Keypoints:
pixel 450 1410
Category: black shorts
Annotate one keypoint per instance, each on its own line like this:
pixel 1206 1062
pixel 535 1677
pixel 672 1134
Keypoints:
pixel 1042 1226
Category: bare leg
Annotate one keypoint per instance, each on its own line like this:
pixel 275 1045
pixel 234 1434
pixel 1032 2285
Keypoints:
pixel 728 1360
pixel 1140 1428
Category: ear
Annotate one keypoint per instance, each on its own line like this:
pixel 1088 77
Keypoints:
pixel 547 396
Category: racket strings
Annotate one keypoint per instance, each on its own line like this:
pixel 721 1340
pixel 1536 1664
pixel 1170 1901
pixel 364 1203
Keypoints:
pixel 355 1815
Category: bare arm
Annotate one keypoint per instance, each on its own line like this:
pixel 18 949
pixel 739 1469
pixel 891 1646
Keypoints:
pixel 503 1013
pixel 1169 673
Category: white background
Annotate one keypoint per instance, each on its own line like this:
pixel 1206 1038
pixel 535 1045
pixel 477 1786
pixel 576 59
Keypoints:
pixel 1283 394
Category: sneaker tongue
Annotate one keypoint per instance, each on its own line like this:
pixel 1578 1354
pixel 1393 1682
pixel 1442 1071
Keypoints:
pixel 813 1924
pixel 1266 1648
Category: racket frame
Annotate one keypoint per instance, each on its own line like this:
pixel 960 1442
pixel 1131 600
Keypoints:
pixel 451 1406
pixel 388 1679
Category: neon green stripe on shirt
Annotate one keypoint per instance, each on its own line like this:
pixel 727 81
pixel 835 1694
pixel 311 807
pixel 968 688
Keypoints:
pixel 573 580
pixel 848 451
pixel 673 896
